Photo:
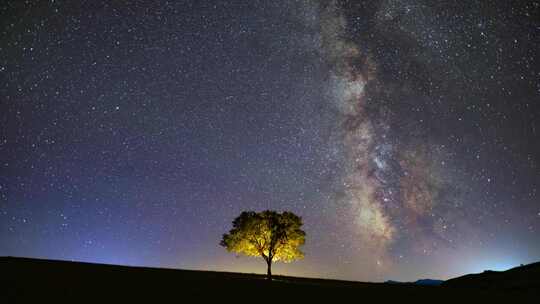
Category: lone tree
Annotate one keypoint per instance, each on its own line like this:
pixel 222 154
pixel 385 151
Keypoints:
pixel 269 234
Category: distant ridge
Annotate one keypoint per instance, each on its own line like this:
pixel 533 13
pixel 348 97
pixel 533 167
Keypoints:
pixel 525 277
pixel 429 282
pixel 424 282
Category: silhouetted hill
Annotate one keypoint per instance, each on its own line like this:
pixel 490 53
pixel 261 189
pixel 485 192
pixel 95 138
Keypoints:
pixel 526 277
pixel 42 281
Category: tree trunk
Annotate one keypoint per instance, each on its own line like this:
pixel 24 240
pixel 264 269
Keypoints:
pixel 269 271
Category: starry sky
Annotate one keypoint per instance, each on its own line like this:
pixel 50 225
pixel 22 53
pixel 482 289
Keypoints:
pixel 404 133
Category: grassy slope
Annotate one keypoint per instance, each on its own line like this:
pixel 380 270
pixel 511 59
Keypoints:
pixel 39 280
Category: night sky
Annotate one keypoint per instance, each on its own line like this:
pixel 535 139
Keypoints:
pixel 404 133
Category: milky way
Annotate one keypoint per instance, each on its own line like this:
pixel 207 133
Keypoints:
pixel 366 155
pixel 403 132
pixel 395 183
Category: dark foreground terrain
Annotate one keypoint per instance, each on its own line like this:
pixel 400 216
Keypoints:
pixel 525 277
pixel 42 281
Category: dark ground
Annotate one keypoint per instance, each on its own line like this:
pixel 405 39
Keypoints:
pixel 524 277
pixel 42 281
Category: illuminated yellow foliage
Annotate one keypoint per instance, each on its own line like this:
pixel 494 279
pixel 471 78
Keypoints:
pixel 274 236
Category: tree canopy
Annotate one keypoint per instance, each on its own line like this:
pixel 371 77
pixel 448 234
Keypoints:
pixel 273 236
